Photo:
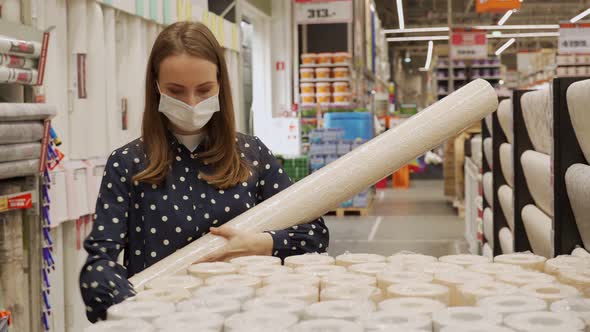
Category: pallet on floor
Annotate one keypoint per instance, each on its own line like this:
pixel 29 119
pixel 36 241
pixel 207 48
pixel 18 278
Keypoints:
pixel 353 211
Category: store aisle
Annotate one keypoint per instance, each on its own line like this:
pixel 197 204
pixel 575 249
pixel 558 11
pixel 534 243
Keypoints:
pixel 419 219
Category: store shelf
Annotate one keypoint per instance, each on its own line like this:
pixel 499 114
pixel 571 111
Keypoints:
pixel 573 64
pixel 497 66
pixel 329 65
pixel 324 80
pixel 331 105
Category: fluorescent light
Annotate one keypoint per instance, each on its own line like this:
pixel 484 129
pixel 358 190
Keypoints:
pixel 505 17
pixel 428 56
pixel 505 46
pixel 524 35
pixel 411 30
pixel 580 16
pixel 518 27
pixel 400 15
pixel 417 38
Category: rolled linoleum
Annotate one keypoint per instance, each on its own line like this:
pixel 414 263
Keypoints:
pixel 538 227
pixel 488 188
pixel 332 325
pixel 537 110
pixel 544 322
pixel 464 316
pixel 469 294
pixel 13 169
pixel 510 304
pixel 505 196
pixel 488 226
pixel 505 118
pixel 525 260
pixel 147 311
pixel 229 291
pixel 308 259
pixel 420 289
pixel 416 305
pixel 537 171
pixel 22 151
pixel 578 100
pixel 506 163
pixel 389 320
pixel 506 240
pixel 577 180
pixel 20 132
pixel 351 259
pixel 347 310
pixel 488 151
pixel 318 193
pixel 10 112
pixel 550 292
pixel 224 307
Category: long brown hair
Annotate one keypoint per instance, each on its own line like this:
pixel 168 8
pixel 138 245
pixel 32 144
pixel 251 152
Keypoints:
pixel 222 154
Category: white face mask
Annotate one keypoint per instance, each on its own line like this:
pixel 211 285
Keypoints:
pixel 186 117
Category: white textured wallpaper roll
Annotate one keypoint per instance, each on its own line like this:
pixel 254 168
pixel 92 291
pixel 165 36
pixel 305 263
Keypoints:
pixel 487 251
pixel 416 305
pixel 335 183
pixel 464 260
pixel 506 240
pixel 476 150
pixel 435 267
pixel 263 271
pixel 505 118
pixel 199 320
pixel 26 112
pixel 347 310
pixel 525 277
pixel 351 259
pixel 270 303
pixel 488 188
pixel 579 277
pixel 537 110
pixel 477 328
pixel 488 226
pixel 469 294
pixel 225 291
pixel 370 269
pixel 488 150
pixel 260 320
pixel 172 295
pixel 505 196
pixel 420 289
pixel 255 260
pixel 411 258
pixel 507 163
pixel 320 270
pixel 206 270
pixel 234 280
pixel 578 100
pixel 580 252
pixel 464 316
pixel 511 304
pixel 352 293
pixel 147 311
pixel 455 280
pixel 347 278
pixel 537 171
pixel 305 293
pixel 577 180
pixel 185 282
pixel 332 325
pixel 222 306
pixel 578 307
pixel 550 292
pixel 489 122
pixel 308 259
pixel 394 321
pixel 124 325
pixel 525 260
pixel 388 278
pixel 495 269
pixel 539 230
pixel 560 263
pixel 291 279
pixel 544 321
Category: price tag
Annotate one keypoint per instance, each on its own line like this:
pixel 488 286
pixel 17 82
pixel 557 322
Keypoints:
pixel 574 38
pixel 323 11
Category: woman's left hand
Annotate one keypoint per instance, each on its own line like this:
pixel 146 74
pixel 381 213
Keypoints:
pixel 240 243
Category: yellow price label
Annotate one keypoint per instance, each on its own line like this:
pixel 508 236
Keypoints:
pixel 3 204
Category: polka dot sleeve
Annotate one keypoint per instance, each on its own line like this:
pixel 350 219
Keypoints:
pixel 305 238
pixel 103 282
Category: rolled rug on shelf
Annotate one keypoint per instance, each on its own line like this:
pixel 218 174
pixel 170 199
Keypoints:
pixel 229 291
pixel 347 310
pixel 370 269
pixel 389 320
pixel 260 320
pixel 495 269
pixel 13 169
pixel 255 260
pixel 505 195
pixel 199 320
pixel 464 260
pixel 309 259
pixel 347 278
pixel 537 110
pixel 524 260
pixel 420 289
pixel 295 278
pixel 577 180
pixel 263 271
pixel 184 282
pixel 292 306
pixel 352 292
pixel 332 325
pixel 506 240
pixel 147 311
pixel 124 325
pixel 488 226
pixel 469 294
pixel 234 280
pixel 505 118
pixel 537 172
pixel 320 192
pixel 522 278
pixel 550 292
pixel 349 259
pixel 560 263
pixel 305 293
pixel 488 151
pixel 22 151
pixel 578 100
pixel 20 132
pixel 388 278
pixel 413 305
pixel 544 321
pixel 455 280
pixel 207 270
pixel 222 306
pixel 507 164
pixel 320 270
pixel 488 188
pixel 579 278
pixel 435 267
pixel 10 112
pixel 578 307
pixel 464 317
pixel 539 230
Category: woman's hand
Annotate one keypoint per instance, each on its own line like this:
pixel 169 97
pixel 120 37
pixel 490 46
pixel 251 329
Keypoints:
pixel 240 243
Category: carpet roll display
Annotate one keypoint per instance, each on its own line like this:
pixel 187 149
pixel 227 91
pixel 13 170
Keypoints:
pixel 578 100
pixel 488 188
pixel 506 163
pixel 26 112
pixel 544 321
pixel 506 240
pixel 488 150
pixel 537 171
pixel 23 151
pixel 488 226
pixel 505 196
pixel 335 183
pixel 20 132
pixel 13 169
pixel 505 118
pixel 577 180
pixel 538 227
pixel 537 110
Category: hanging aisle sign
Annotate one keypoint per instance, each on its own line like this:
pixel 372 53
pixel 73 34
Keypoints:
pixel 323 11
pixel 496 6
pixel 574 38
pixel 469 44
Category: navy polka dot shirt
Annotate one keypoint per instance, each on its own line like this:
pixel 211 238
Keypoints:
pixel 149 222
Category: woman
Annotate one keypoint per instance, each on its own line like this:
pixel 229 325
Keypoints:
pixel 188 175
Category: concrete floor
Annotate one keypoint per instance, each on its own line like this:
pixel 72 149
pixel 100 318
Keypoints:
pixel 419 219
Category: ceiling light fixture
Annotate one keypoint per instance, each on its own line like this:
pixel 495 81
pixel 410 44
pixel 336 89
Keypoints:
pixel 481 27
pixel 400 15
pixel 428 56
pixel 416 38
pixel 580 16
pixel 505 46
pixel 506 17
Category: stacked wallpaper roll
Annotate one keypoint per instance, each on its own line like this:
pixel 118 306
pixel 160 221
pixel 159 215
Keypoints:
pixel 416 293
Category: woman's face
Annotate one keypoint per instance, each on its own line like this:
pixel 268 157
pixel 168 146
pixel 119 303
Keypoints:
pixel 188 78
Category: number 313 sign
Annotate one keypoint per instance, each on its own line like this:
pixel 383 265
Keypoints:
pixel 323 11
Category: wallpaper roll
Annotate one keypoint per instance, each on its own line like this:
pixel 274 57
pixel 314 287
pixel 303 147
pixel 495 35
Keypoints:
pixel 26 112
pixel 488 121
pixel 578 100
pixel 347 278
pixel 537 110
pixel 255 260
pixel 488 226
pixel 505 196
pixel 487 251
pixel 320 270
pixel 464 260
pixel 544 321
pixel 318 193
pixel 124 325
pixel 476 150
pixel 369 269
pixel 147 311
pixel 477 328
pixel 347 310
pixel 20 132
pixel 560 263
pixel 411 258
pixel 224 307
pixel 388 278
pixel 469 294
pixel 537 171
pixel 436 267
pixel 309 259
pixel 577 180
pixel 525 277
pixel 260 320
pixel 351 293
pixel 579 277
pixel 539 230
pixel 506 240
pixel 575 306
pixel 13 169
pixel 172 295
pixel 394 321
pixel 332 325
pixel 263 271
pixel 464 316
pixel 488 150
pixel 507 164
pixel 239 293
pixel 292 306
pixel 420 289
pixel 455 280
pixel 550 292
pixel 290 279
pixel 235 280
pixel 351 259
pixel 23 151
pixel 495 269
pixel 28 49
pixel 524 260
pixel 506 119
pixel 580 252
pixel 510 304
pixel 206 270
pixel 488 188
pixel 185 282
pixel 198 320
pixel 415 305
pixel 306 293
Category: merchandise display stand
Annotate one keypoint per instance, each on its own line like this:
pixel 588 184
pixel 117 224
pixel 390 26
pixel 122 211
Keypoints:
pixel 499 218
pixel 522 195
pixel 566 152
